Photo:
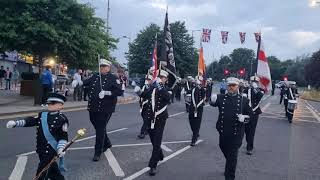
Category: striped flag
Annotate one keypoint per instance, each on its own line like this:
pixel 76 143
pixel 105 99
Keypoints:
pixel 224 36
pixel 206 33
pixel 242 37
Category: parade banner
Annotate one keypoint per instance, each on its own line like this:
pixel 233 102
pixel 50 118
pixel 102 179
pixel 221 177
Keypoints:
pixel 263 69
pixel 242 37
pixel 224 36
pixel 206 33
pixel 154 60
pixel 167 61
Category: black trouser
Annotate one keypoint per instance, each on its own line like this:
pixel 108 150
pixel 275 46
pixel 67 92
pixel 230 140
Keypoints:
pixel 281 98
pixel 77 93
pixel 53 172
pixel 156 139
pixel 178 95
pixel 229 146
pixel 144 126
pixel 45 90
pixel 85 93
pixel 8 84
pixel 250 130
pixel 99 121
pixel 195 122
pixel 290 114
pixel 285 102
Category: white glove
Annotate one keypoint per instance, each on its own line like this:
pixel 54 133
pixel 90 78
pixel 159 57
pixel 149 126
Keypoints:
pixel 242 117
pixel 101 95
pixel 133 83
pixel 11 124
pixel 254 85
pixel 158 80
pixel 214 98
pixel 170 92
pixel 123 87
pixel 61 153
pixel 107 93
pixel 137 89
pixel 244 95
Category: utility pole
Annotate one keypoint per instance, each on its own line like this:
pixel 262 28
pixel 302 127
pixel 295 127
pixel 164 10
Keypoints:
pixel 108 16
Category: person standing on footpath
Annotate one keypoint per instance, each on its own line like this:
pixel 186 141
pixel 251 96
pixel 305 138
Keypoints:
pixel 46 83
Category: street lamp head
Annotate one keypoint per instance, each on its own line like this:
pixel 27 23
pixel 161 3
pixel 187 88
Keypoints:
pixel 313 3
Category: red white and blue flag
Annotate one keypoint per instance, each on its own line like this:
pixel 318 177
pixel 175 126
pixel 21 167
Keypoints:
pixel 242 37
pixel 206 33
pixel 224 36
pixel 154 66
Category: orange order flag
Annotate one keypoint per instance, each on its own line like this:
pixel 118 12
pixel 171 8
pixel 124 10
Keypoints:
pixel 201 64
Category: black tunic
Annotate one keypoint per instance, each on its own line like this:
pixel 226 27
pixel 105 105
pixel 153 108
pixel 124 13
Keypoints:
pixel 57 123
pixel 109 83
pixel 229 106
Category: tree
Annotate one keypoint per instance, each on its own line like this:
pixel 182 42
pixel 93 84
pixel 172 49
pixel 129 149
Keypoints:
pixel 241 59
pixel 312 72
pixel 140 51
pixel 276 68
pixel 62 28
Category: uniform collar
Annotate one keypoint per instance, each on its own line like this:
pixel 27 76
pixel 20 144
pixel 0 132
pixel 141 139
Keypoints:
pixel 54 112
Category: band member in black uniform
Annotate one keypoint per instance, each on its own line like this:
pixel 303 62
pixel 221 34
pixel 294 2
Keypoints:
pixel 198 96
pixel 187 92
pixel 290 94
pixel 52 136
pixel 157 114
pixel 144 105
pixel 254 94
pixel 103 91
pixel 283 90
pixel 209 89
pixel 234 111
pixel 177 92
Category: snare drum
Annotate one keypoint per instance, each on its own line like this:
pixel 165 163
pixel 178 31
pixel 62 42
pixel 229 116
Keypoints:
pixel 292 104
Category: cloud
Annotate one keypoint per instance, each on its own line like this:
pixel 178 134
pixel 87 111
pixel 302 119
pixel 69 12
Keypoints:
pixel 289 27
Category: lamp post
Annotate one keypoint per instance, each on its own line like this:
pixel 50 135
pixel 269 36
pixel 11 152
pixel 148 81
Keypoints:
pixel 127 37
pixel 314 3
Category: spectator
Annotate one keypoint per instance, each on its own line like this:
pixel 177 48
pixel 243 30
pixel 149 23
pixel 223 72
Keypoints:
pixel 85 88
pixel 15 78
pixel 47 84
pixel 2 74
pixel 8 77
pixel 77 85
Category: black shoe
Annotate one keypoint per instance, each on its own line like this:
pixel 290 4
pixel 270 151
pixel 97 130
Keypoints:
pixel 96 157
pixel 249 152
pixel 290 121
pixel 152 171
pixel 141 136
pixel 85 99
pixel 193 141
pixel 107 147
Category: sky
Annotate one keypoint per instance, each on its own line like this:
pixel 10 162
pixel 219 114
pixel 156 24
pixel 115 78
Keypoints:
pixel 289 28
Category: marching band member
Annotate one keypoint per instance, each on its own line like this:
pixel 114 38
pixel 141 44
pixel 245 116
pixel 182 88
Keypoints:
pixel 198 96
pixel 234 110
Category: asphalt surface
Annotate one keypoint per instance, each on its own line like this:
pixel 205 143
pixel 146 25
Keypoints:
pixel 283 151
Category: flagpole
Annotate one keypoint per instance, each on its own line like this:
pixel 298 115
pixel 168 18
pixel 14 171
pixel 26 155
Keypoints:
pixel 257 58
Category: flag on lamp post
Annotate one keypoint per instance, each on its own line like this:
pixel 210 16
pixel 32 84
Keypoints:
pixel 206 33
pixel 257 36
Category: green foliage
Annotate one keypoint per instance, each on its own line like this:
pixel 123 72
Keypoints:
pixel 140 50
pixel 62 28
pixel 312 70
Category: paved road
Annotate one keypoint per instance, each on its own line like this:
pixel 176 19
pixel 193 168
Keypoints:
pixel 283 151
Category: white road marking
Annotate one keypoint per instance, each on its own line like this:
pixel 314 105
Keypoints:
pixel 265 107
pixel 146 169
pixel 114 163
pixel 177 114
pixel 164 147
pixel 110 132
pixel 314 114
pixel 19 168
pixel 90 137
pixel 302 120
pixel 130 145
